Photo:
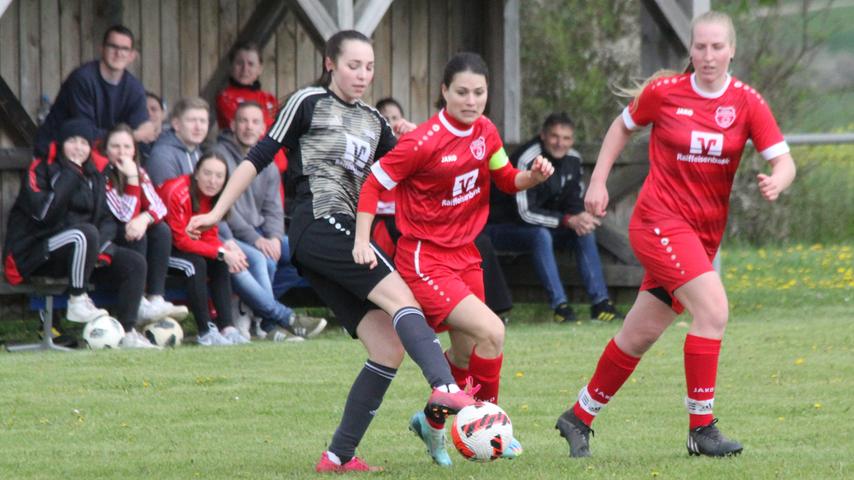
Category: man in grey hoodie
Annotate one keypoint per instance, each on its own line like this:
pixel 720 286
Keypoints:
pixel 177 151
pixel 256 221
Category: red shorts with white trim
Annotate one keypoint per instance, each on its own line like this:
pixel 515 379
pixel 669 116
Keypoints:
pixel 672 255
pixel 440 278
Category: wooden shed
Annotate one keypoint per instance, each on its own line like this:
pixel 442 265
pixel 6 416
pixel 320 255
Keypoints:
pixel 183 47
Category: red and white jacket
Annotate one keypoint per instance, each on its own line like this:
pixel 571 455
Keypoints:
pixel 135 199
pixel 176 194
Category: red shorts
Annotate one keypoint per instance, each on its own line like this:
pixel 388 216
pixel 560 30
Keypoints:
pixel 439 278
pixel 672 255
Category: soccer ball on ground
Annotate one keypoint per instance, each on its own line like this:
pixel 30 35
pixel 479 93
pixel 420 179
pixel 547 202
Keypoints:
pixel 103 332
pixel 164 333
pixel 481 431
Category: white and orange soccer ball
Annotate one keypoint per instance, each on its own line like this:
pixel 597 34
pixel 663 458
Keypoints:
pixel 480 432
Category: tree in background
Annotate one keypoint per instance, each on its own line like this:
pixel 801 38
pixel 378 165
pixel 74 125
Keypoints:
pixel 572 53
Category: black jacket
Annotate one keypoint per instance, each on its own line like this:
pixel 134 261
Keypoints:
pixel 547 203
pixel 55 195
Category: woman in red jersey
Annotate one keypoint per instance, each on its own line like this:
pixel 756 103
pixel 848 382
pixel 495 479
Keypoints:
pixel 442 170
pixel 701 120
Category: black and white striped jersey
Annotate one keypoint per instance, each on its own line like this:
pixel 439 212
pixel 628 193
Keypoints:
pixel 331 145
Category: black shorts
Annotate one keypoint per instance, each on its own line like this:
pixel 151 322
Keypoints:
pixel 324 256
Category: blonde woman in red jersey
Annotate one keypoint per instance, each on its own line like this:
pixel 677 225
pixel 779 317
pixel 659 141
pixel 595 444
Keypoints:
pixel 701 120
pixel 442 172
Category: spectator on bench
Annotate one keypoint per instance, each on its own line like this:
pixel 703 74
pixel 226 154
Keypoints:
pixel 138 210
pixel 206 262
pixel 103 93
pixel 60 226
pixel 157 114
pixel 550 214
pixel 256 222
pixel 177 151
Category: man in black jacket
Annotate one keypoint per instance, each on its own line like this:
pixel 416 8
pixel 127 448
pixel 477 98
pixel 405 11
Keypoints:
pixel 552 214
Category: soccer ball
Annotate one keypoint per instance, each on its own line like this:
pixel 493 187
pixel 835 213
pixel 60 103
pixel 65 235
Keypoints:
pixel 103 332
pixel 164 333
pixel 481 431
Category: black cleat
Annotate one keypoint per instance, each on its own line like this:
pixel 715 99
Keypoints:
pixel 605 311
pixel 576 433
pixel 564 313
pixel 709 441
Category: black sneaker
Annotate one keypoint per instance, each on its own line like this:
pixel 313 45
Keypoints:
pixel 604 311
pixel 564 313
pixel 709 441
pixel 576 433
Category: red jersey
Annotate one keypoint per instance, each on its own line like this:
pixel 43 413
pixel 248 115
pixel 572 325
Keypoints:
pixel 442 172
pixel 176 193
pixel 695 147
pixel 235 94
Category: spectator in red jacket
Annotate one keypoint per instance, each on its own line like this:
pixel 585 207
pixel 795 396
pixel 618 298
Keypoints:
pixel 207 261
pixel 243 85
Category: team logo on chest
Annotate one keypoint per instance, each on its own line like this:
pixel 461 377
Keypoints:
pixel 478 148
pixel 724 116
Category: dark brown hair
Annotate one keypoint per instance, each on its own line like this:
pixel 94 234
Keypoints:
pixel 462 62
pixel 333 51
pixel 194 186
pixel 118 180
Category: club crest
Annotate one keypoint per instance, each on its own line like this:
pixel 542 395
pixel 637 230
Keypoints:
pixel 478 148
pixel 724 116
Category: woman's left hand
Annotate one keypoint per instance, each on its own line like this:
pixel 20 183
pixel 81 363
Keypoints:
pixel 541 169
pixel 769 186
pixel 135 229
pixel 402 127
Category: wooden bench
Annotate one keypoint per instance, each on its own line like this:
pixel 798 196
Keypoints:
pixel 45 289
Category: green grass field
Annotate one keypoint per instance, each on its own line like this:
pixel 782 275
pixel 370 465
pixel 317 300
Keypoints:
pixel 267 411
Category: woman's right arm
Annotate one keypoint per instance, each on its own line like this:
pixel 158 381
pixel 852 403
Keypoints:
pixel 46 198
pixel 237 184
pixel 596 199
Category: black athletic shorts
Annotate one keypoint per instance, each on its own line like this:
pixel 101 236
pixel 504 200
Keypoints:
pixel 324 256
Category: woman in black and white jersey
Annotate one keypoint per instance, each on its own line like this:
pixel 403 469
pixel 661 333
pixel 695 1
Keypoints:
pixel 332 139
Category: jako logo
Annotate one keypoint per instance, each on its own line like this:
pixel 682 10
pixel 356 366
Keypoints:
pixel 464 182
pixel 684 111
pixel 449 159
pixel 707 143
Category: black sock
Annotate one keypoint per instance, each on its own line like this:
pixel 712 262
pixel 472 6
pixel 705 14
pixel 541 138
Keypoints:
pixel 423 347
pixel 435 417
pixel 364 400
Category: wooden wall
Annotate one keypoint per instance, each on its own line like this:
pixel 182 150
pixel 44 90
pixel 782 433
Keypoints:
pixel 181 41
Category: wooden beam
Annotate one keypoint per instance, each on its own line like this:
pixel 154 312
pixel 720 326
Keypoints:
pixel 345 14
pixel 612 236
pixel 671 16
pixel 369 14
pixel 315 18
pixel 512 97
pixel 4 4
pixel 16 116
pixel 259 29
pixel 15 158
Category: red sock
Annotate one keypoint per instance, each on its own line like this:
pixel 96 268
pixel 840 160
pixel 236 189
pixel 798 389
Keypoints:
pixel 614 368
pixel 487 373
pixel 701 370
pixel 460 374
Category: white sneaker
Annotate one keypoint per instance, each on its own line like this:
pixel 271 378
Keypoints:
pixel 256 328
pixel 134 339
pixel 150 312
pixel 82 310
pixel 177 312
pixel 234 335
pixel 279 334
pixel 308 327
pixel 213 338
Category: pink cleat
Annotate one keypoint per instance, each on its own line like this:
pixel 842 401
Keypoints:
pixel 445 403
pixel 356 464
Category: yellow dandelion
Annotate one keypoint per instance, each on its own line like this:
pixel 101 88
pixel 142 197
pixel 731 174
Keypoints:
pixel 816 405
pixel 799 361
pixel 520 374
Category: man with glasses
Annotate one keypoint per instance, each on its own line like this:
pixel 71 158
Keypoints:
pixel 103 92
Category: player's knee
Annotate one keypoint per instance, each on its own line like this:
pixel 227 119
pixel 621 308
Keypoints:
pixel 491 339
pixel 713 318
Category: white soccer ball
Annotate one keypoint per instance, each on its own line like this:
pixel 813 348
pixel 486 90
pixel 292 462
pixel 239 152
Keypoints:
pixel 164 333
pixel 481 431
pixel 103 332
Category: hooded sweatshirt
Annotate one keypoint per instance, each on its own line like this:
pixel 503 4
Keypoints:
pixel 170 158
pixel 260 206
